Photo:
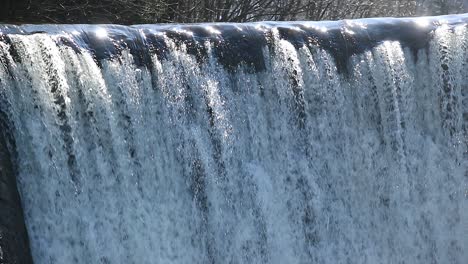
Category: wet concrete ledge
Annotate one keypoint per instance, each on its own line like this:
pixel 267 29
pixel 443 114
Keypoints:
pixel 14 241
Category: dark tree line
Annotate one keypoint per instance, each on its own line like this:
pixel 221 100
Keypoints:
pixel 186 11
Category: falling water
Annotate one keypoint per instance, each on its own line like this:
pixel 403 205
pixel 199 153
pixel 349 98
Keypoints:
pixel 331 142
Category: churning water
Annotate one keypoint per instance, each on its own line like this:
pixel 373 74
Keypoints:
pixel 241 143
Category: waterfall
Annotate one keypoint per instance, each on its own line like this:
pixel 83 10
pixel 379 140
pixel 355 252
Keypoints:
pixel 298 142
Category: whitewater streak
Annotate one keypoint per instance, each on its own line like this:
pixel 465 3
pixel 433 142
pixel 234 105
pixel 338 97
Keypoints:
pixel 331 142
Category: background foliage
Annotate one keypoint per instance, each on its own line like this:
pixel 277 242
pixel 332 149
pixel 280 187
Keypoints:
pixel 185 11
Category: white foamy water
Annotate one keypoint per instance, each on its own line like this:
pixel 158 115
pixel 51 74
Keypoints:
pixel 189 162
